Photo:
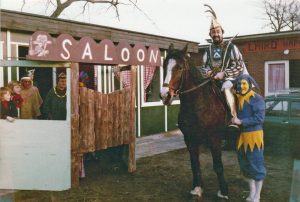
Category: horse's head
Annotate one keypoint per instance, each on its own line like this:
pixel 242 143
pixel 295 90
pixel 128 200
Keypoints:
pixel 175 64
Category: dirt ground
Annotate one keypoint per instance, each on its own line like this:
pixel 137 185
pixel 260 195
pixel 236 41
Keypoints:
pixel 167 177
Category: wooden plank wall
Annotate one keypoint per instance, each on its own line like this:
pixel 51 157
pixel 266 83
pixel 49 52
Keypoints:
pixel 86 120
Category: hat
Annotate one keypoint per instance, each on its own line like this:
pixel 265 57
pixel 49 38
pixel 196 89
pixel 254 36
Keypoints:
pixel 29 75
pixel 214 22
pixel 84 78
pixel 251 83
pixel 62 76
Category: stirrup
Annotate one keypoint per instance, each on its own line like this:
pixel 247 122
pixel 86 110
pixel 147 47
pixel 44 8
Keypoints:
pixel 220 195
pixel 231 125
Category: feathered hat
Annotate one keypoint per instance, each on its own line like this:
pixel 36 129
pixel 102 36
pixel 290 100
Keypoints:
pixel 214 21
pixel 29 75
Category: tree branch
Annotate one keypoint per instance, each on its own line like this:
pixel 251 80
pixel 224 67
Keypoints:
pixel 24 2
pixel 281 14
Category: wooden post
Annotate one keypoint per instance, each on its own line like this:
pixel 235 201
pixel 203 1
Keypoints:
pixel 131 159
pixel 75 160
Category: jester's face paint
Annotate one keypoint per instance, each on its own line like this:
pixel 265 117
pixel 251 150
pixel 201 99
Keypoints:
pixel 243 87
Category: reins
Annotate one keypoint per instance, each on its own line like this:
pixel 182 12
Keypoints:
pixel 194 88
pixel 179 92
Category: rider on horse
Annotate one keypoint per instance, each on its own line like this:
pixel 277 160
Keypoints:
pixel 222 61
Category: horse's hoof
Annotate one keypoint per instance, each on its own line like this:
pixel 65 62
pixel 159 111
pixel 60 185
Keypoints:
pixel 220 195
pixel 249 199
pixel 197 191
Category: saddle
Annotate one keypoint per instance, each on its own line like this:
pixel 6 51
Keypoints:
pixel 216 89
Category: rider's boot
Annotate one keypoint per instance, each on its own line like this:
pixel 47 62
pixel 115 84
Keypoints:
pixel 231 104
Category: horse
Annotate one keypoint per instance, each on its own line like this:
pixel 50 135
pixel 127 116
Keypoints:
pixel 202 113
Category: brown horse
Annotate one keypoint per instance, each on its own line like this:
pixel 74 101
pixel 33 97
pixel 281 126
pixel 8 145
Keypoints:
pixel 202 113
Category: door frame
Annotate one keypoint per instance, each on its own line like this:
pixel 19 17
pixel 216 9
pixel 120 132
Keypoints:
pixel 287 74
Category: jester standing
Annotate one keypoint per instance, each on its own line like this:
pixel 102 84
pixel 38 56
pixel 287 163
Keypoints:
pixel 222 61
pixel 250 144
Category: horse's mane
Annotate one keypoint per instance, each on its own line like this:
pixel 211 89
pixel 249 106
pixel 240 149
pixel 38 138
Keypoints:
pixel 175 54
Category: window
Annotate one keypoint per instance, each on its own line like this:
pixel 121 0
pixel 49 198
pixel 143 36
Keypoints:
pixel 294 73
pixel 153 89
pixel 151 82
pixel 277 108
pixel 295 109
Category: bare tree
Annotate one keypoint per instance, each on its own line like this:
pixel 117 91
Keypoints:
pixel 293 18
pixel 282 14
pixel 61 5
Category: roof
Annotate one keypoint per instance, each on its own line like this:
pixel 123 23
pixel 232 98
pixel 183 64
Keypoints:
pixel 260 36
pixel 27 22
pixel 291 95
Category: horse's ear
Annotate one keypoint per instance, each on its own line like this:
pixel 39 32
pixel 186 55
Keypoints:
pixel 184 50
pixel 171 47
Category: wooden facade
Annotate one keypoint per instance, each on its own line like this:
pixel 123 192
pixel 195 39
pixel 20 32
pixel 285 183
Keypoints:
pixel 17 27
pixel 99 119
pixel 29 23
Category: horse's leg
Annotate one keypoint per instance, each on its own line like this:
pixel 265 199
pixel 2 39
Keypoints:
pixel 195 164
pixel 215 148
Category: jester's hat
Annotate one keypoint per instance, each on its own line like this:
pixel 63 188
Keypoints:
pixel 214 22
pixel 84 79
pixel 250 80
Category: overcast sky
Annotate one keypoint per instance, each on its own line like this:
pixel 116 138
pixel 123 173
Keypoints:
pixel 183 19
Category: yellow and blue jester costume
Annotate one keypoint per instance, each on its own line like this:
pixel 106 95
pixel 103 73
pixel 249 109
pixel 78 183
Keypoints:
pixel 250 144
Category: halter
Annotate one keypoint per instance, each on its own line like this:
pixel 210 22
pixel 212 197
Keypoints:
pixel 179 91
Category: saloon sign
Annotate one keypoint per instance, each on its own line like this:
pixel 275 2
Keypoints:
pixel 65 48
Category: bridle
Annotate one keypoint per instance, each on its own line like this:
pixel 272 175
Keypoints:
pixel 179 90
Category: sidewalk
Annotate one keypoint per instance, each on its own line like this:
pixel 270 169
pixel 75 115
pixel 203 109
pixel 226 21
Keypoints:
pixel 7 195
pixel 159 143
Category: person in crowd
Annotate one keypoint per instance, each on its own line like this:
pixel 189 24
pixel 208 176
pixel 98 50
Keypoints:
pixel 8 108
pixel 250 144
pixel 55 103
pixel 32 101
pixel 15 88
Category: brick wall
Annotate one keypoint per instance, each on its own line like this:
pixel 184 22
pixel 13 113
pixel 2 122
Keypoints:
pixel 255 60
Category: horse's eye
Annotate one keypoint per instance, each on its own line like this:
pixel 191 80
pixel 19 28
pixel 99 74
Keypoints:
pixel 180 67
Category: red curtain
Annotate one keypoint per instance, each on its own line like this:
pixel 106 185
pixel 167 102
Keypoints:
pixel 148 75
pixel 126 77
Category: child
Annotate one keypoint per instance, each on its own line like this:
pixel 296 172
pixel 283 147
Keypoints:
pixel 15 87
pixel 8 108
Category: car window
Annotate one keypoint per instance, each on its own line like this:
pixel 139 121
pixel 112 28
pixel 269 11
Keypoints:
pixel 295 109
pixel 276 108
